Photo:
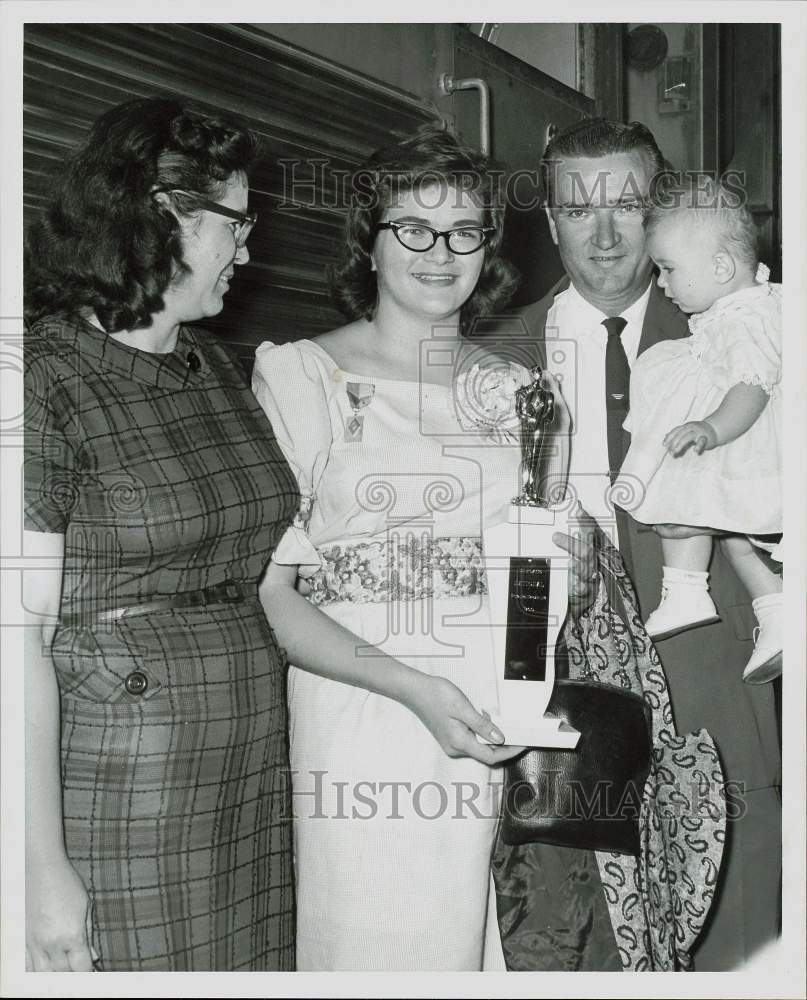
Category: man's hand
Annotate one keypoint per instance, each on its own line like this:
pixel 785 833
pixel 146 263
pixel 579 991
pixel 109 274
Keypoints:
pixel 583 574
pixel 696 433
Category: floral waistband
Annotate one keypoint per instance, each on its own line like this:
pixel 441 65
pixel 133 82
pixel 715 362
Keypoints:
pixel 402 567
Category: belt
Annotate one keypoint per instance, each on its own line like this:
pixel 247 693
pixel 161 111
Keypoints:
pixel 405 566
pixel 228 592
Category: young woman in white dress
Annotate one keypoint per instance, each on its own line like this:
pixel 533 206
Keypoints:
pixel 400 431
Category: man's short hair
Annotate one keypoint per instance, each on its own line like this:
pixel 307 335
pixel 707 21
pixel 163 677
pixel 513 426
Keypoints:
pixel 595 137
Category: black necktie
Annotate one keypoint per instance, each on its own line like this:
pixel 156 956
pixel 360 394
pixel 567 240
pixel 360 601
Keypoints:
pixel 617 390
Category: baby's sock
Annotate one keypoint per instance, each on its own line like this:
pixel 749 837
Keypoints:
pixel 765 606
pixel 690 577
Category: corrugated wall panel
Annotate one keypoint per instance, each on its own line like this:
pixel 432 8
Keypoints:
pixel 303 109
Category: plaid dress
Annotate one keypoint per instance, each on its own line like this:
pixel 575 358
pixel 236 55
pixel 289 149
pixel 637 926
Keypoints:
pixel 164 475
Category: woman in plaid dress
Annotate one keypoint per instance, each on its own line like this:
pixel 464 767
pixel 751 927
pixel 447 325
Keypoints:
pixel 157 807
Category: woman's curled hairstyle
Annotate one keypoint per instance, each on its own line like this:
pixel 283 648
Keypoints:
pixel 106 243
pixel 429 156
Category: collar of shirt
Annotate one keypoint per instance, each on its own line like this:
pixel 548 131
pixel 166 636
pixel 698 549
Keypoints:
pixel 587 319
pixel 163 371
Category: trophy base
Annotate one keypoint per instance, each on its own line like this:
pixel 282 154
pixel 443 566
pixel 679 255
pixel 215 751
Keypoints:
pixel 547 731
pixel 525 512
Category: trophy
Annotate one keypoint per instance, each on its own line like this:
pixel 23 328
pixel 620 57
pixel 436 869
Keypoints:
pixel 527 584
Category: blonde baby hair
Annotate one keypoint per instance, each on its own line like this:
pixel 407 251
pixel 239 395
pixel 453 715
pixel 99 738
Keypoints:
pixel 711 208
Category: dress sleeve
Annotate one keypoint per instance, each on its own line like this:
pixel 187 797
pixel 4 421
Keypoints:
pixel 747 349
pixel 288 385
pixel 50 468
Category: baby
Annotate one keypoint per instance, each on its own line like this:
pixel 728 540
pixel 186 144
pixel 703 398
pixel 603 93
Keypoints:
pixel 705 419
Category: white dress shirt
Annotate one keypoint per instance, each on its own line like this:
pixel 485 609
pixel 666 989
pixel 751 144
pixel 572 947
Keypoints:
pixel 574 332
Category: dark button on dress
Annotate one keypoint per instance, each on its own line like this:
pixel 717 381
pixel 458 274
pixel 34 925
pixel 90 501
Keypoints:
pixel 174 733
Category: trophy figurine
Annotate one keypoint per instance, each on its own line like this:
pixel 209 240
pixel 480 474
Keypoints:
pixel 527 581
pixel 535 409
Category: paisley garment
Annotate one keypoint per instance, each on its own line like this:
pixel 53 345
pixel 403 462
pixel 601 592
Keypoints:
pixel 568 909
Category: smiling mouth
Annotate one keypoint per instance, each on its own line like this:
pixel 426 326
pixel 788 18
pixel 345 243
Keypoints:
pixel 436 279
pixel 608 260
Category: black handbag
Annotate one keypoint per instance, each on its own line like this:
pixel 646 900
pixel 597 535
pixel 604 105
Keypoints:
pixel 589 797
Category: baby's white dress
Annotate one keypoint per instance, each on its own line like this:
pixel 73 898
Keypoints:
pixel 392 837
pixel 737 486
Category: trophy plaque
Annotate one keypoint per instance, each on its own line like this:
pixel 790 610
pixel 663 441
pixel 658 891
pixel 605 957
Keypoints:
pixel 527 585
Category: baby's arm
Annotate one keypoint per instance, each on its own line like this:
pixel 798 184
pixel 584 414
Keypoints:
pixel 740 408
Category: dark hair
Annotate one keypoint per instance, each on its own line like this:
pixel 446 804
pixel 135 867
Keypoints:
pixel 430 155
pixel 106 243
pixel 598 137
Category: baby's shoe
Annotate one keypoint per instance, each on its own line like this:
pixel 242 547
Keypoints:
pixel 766 660
pixel 685 603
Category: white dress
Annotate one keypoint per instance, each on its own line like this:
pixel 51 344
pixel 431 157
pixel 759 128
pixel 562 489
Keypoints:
pixel 392 837
pixel 737 486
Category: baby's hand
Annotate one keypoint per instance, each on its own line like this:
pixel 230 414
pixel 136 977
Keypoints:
pixel 698 433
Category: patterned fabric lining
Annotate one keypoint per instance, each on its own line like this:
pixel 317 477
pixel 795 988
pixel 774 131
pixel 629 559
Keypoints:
pixel 402 567
pixel 563 908
pixel 659 901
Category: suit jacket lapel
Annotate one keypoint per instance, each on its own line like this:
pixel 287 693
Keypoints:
pixel 534 317
pixel 663 320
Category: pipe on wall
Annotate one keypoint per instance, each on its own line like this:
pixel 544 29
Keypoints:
pixel 449 85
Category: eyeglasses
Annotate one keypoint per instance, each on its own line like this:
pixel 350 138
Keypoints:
pixel 244 225
pixel 421 238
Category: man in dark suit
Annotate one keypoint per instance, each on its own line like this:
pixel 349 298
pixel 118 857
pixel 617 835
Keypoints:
pixel 596 174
